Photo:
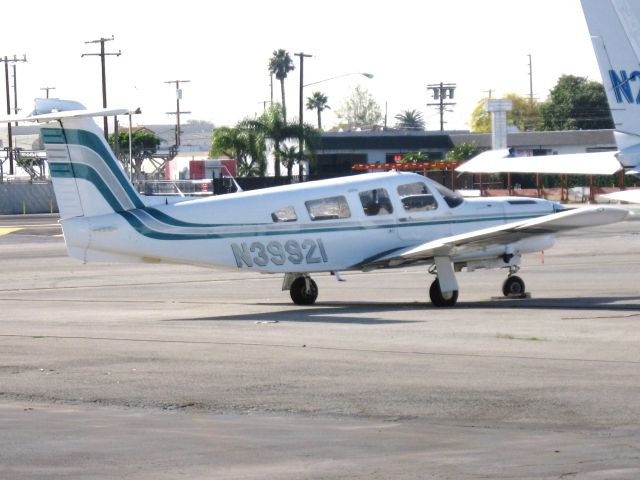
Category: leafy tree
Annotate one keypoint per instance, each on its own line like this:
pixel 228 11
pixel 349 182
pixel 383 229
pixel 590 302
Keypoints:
pixel 410 120
pixel 360 109
pixel 247 147
pixel 318 101
pixel 415 157
pixel 462 152
pixel 144 144
pixel 576 103
pixel 524 114
pixel 280 65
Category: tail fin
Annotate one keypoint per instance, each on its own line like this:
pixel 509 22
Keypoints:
pixel 87 178
pixel 614 26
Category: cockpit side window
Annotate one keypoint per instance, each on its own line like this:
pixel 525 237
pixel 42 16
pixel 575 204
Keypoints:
pixel 452 198
pixel 329 208
pixel 286 214
pixel 376 202
pixel 416 197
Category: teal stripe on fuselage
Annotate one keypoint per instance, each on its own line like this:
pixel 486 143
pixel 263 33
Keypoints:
pixel 136 220
pixel 169 220
pixel 80 170
pixel 89 140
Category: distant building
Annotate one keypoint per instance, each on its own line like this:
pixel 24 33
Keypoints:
pixel 194 137
pixel 339 151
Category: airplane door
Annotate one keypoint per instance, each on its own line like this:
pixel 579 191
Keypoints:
pixel 420 216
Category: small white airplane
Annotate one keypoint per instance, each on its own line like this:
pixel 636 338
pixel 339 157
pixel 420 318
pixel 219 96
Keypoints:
pixel 614 26
pixel 361 222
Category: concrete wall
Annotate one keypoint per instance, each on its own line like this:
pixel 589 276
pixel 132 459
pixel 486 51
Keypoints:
pixel 19 198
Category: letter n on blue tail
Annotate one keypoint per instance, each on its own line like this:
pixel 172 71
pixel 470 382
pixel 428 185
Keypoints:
pixel 621 84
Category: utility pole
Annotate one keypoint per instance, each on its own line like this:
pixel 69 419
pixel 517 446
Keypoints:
pixel 530 80
pixel 102 56
pixel 47 89
pixel 178 112
pixel 15 92
pixel 6 61
pixel 301 117
pixel 441 92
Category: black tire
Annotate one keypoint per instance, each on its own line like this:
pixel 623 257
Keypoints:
pixel 438 299
pixel 513 286
pixel 299 293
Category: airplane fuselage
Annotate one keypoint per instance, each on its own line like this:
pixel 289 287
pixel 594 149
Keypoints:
pixel 329 225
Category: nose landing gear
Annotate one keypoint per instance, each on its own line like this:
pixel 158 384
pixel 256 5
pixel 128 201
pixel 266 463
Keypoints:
pixel 513 286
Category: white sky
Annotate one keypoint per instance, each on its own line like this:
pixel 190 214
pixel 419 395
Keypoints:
pixel 224 48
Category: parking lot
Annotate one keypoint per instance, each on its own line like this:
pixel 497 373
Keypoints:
pixel 164 371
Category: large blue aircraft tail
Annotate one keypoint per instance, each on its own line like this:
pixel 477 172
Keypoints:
pixel 614 26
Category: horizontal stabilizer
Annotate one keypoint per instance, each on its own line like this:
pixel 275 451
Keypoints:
pixel 498 161
pixel 48 117
pixel 50 109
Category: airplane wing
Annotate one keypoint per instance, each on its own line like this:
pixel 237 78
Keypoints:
pixel 501 235
pixel 498 161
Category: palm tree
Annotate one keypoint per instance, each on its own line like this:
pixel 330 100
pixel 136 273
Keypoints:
pixel 271 126
pixel 279 65
pixel 245 146
pixel 410 120
pixel 289 156
pixel 318 101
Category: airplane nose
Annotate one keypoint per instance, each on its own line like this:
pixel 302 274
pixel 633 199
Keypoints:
pixel 558 207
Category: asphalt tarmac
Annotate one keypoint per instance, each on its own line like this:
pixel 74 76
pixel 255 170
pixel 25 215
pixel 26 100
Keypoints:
pixel 164 371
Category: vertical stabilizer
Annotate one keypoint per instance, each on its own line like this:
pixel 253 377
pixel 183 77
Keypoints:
pixel 87 178
pixel 614 26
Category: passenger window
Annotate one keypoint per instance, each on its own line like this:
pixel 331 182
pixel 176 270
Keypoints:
pixel 328 208
pixel 376 202
pixel 416 197
pixel 286 214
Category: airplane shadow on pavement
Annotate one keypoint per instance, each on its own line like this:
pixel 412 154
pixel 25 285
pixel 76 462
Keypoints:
pixel 365 313
pixel 339 313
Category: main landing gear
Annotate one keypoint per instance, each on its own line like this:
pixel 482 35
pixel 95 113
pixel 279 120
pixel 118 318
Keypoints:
pixel 303 290
pixel 444 271
pixel 513 287
pixel 439 299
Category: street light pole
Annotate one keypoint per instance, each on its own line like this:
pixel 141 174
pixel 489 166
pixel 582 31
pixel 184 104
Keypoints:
pixel 301 117
pixel 368 75
pixel 302 85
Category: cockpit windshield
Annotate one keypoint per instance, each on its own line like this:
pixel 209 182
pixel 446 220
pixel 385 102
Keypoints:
pixel 452 198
